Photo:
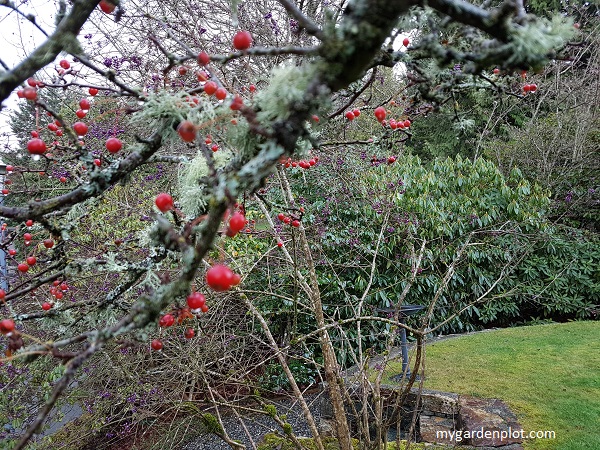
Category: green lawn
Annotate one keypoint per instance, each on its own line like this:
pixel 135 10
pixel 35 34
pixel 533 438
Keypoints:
pixel 548 374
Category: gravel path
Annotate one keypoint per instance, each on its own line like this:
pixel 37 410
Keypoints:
pixel 259 424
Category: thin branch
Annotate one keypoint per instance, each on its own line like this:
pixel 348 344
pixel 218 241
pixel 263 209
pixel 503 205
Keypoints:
pixel 304 21
pixel 64 36
pixel 355 95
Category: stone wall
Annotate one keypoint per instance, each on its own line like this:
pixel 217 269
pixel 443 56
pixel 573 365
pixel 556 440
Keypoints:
pixel 442 418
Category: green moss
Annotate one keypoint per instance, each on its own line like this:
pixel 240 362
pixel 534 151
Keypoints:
pixel 287 429
pixel 211 423
pixel 271 410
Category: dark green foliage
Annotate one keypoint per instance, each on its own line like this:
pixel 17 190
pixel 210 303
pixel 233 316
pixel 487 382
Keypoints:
pixel 544 271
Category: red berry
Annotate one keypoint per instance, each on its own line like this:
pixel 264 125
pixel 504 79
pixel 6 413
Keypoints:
pixel 2 294
pixel 405 42
pixel 195 301
pixel 27 237
pixel 349 115
pixel 166 321
pixel 23 267
pixel 55 283
pixel 242 40
pixel 80 113
pixel 533 87
pixel 281 216
pixel 407 123
pixel 12 252
pixel 5 191
pixel 214 148
pixel 219 278
pixel 187 131
pixel 9 168
pixel 6 326
pixel 182 70
pixel 64 287
pixel 380 113
pixel 35 134
pixel 48 243
pixel 85 104
pixel 279 244
pixel 210 87
pixel 63 179
pixel 20 93
pixel 295 223
pixel 164 202
pixel 31 260
pixel 204 308
pixel 237 222
pixel 203 58
pixel 113 145
pixel 46 306
pixel 52 127
pixel 189 333
pixel 201 76
pixel 107 6
pixel 97 162
pixel 30 93
pixel 252 88
pixel 36 146
pixel 315 118
pixel 496 71
pixel 156 345
pixel 93 92
pixel 237 103
pixel 64 64
pixel 391 160
pixel 220 93
pixel 80 128
pixel 356 112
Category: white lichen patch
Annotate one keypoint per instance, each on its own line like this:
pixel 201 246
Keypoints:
pixel 193 191
pixel 541 37
pixel 288 86
pixel 172 108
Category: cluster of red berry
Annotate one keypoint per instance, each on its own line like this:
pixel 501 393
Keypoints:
pixel 31 260
pixel 351 115
pixel 36 146
pixel 290 220
pixel 219 278
pixel 304 164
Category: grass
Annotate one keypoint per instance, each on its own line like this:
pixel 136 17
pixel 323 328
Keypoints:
pixel 548 374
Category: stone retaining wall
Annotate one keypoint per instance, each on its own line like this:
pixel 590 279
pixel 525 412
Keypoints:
pixel 444 418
